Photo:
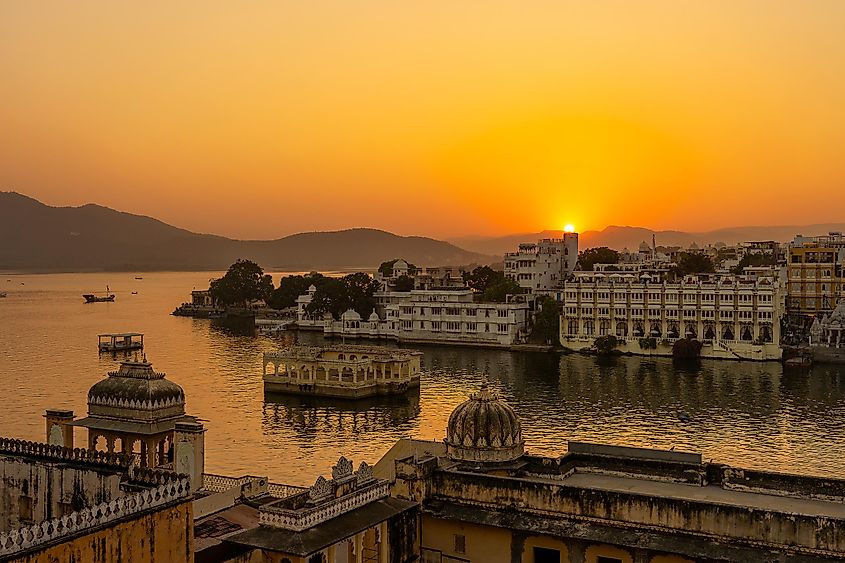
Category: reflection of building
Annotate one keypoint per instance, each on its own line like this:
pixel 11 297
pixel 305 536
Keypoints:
pixel 816 279
pixel 62 504
pixel 487 500
pixel 342 371
pixel 136 411
pixel 543 266
pixel 733 317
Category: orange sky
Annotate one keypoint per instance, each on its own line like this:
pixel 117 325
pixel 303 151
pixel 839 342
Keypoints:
pixel 259 119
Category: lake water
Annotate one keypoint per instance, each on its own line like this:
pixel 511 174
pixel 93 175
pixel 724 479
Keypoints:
pixel 745 414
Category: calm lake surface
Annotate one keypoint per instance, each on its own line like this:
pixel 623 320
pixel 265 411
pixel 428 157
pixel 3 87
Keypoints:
pixel 745 414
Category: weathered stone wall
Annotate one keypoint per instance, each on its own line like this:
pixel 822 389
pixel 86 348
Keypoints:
pixel 164 535
pixel 33 491
pixel 666 513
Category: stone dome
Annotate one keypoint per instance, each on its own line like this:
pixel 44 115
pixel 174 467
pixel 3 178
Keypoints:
pixel 350 315
pixel 374 317
pixel 484 429
pixel 136 391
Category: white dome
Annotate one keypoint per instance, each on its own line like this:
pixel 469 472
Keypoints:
pixel 350 315
pixel 374 317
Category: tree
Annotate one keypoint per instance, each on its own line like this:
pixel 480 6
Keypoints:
pixel 403 283
pixel 605 345
pixel 337 295
pixel 360 288
pixel 498 291
pixel 694 263
pixel 481 278
pixel 599 255
pixel 386 268
pixel 547 320
pixel 291 287
pixel 244 281
pixel 754 259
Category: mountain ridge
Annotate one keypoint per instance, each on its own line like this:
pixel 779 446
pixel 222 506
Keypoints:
pixel 91 237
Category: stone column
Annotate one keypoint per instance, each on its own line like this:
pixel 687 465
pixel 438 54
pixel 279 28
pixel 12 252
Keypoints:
pixel 383 545
pixel 58 429
pixel 151 452
pixel 641 556
pixel 143 453
pixel 359 556
pixel 110 444
pixel 577 551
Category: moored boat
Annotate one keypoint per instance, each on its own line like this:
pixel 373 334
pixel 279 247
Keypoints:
pixel 94 298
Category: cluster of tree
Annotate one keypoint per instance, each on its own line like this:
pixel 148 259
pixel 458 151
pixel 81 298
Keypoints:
pixel 546 321
pixel 492 285
pixel 754 259
pixel 693 263
pixel 291 287
pixel 599 255
pixel 386 268
pixel 244 281
pixel 337 295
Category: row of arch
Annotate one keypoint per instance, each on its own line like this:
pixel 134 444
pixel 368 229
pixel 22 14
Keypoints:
pixel 150 451
pixel 727 331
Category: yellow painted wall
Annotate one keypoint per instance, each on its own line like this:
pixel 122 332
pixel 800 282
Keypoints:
pixel 163 536
pixel 483 543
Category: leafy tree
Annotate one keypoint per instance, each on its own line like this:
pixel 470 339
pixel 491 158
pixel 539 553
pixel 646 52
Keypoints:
pixel 599 255
pixel 482 277
pixel 694 263
pixel 360 288
pixel 386 268
pixel 403 283
pixel 291 287
pixel 244 281
pixel 754 259
pixel 605 345
pixel 498 291
pixel 336 295
pixel 547 320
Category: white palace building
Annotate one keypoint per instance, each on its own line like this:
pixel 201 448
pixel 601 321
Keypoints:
pixel 734 317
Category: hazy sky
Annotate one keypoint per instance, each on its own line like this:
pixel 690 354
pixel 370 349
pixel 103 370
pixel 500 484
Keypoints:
pixel 259 119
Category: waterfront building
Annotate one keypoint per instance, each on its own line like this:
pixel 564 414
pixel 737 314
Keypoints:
pixel 344 371
pixel 735 317
pixel 486 499
pixel 137 411
pixel 437 316
pixel 543 266
pixel 816 279
pixel 443 277
pixel 63 504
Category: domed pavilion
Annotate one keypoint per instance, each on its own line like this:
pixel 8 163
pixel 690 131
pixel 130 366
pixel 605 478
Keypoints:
pixel 484 429
pixel 136 410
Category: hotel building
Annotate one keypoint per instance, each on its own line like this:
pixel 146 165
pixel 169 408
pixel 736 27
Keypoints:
pixel 816 279
pixel 736 317
pixel 543 266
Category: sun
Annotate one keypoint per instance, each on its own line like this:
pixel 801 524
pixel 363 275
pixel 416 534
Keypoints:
pixel 568 229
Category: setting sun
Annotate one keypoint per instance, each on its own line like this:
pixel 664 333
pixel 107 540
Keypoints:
pixel 569 229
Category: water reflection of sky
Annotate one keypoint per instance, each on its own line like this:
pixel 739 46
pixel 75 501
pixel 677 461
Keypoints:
pixel 745 414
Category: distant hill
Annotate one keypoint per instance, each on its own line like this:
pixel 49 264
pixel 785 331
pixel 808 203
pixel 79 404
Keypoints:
pixel 631 237
pixel 37 237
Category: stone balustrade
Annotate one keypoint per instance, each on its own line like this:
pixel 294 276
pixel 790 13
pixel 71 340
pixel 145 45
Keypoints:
pixel 299 520
pixel 83 521
pixel 60 453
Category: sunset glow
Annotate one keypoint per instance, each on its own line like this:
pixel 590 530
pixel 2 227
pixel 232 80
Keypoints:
pixel 473 117
pixel 569 229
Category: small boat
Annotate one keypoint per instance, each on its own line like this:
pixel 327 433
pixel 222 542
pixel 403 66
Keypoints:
pixel 93 298
pixel 2 294
pixel 138 278
pixel 134 293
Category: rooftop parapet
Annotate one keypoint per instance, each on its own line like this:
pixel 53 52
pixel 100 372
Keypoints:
pixel 40 450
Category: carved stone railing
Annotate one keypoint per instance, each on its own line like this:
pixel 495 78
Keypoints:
pixel 220 483
pixel 60 453
pixel 85 520
pixel 298 520
pixel 279 490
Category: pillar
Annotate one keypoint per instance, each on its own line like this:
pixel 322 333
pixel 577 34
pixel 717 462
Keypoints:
pixel 110 444
pixel 383 545
pixel 189 451
pixel 143 454
pixel 151 452
pixel 58 429
pixel 359 544
pixel 577 551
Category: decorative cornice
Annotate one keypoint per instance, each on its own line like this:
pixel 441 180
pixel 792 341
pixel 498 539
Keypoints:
pixel 106 401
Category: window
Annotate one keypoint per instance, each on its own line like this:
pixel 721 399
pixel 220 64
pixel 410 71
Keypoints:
pixel 453 326
pixel 503 313
pixel 461 543
pixel 435 326
pixel 603 559
pixel 471 326
pixel 546 555
pixel 503 328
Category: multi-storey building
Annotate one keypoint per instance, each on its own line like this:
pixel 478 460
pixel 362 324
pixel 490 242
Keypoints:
pixel 447 316
pixel 733 317
pixel 816 279
pixel 545 265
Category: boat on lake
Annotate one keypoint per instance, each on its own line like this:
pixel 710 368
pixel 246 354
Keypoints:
pixel 120 342
pixel 94 298
pixel 2 294
pixel 342 371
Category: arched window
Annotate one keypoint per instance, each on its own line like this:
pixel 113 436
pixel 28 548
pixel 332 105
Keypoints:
pixel 621 329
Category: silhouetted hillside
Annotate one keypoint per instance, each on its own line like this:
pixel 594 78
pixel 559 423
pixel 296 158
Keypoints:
pixel 34 236
pixel 631 237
